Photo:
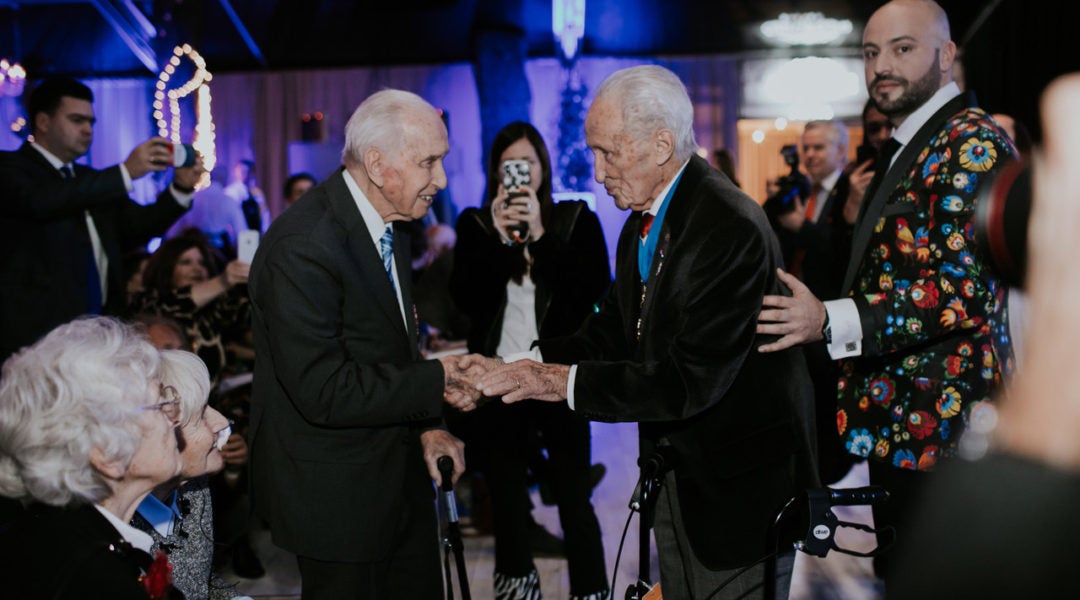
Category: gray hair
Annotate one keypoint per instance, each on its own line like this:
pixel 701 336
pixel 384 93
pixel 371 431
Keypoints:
pixel 76 390
pixel 652 98
pixel 838 131
pixel 378 123
pixel 187 373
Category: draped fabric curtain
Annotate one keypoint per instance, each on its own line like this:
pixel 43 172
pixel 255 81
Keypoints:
pixel 258 115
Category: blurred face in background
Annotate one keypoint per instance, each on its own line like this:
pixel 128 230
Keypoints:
pixel 821 154
pixel 876 128
pixel 190 268
pixel 298 189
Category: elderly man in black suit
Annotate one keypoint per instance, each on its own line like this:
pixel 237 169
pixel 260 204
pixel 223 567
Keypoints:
pixel 65 227
pixel 673 344
pixel 346 414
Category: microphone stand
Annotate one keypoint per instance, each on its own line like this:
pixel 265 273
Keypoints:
pixel 643 502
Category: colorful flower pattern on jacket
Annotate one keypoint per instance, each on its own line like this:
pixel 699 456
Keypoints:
pixel 939 346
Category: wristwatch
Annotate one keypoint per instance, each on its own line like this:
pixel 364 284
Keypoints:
pixel 826 329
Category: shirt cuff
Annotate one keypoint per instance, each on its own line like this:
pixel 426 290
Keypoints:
pixel 530 354
pixel 570 386
pixel 127 178
pixel 184 200
pixel 846 328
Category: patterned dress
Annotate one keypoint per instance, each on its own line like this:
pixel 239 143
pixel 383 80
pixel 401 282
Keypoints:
pixel 935 342
pixel 226 317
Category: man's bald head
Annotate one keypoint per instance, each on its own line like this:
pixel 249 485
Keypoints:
pixel 908 54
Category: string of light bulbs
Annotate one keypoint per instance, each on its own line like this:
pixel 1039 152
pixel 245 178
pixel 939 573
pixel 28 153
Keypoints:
pixel 199 85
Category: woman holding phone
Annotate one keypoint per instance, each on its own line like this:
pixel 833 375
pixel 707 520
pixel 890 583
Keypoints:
pixel 527 268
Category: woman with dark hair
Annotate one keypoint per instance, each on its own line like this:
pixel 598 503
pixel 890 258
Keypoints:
pixel 180 282
pixel 527 268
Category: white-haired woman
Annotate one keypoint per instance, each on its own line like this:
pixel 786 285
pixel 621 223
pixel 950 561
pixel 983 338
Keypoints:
pixel 86 432
pixel 178 514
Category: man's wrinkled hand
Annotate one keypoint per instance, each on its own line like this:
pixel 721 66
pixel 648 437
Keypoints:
pixel 797 319
pixel 525 380
pixel 439 442
pixel 461 375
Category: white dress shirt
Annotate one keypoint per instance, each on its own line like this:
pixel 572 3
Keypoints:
pixel 376 226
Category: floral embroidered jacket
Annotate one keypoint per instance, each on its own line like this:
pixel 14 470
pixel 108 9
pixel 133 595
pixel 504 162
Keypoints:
pixel 935 344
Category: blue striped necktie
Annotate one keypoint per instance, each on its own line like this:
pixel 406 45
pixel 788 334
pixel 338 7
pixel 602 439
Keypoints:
pixel 386 249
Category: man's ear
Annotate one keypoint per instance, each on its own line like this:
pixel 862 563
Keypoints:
pixel 41 122
pixel 664 145
pixel 375 165
pixel 948 56
pixel 111 469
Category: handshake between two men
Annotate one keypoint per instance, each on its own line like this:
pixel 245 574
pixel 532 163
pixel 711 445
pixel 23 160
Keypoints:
pixel 472 378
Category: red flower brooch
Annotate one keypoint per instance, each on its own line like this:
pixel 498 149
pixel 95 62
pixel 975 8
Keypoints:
pixel 158 578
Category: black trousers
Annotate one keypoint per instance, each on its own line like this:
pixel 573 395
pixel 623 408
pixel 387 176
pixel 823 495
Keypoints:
pixel 566 437
pixel 410 570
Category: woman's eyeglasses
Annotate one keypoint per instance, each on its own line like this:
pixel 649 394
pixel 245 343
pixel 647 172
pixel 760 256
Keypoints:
pixel 169 405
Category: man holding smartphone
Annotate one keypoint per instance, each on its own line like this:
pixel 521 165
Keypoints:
pixel 65 226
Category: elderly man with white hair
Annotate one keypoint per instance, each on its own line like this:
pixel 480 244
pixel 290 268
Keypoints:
pixel 673 346
pixel 86 432
pixel 346 427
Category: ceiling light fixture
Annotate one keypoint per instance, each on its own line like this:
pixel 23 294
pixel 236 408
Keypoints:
pixel 805 29
pixel 568 25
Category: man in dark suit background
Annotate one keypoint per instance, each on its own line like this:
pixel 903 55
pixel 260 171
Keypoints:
pixel 818 239
pixel 346 420
pixel 920 326
pixel 673 344
pixel 65 227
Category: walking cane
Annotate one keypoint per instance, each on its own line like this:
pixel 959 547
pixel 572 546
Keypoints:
pixel 452 540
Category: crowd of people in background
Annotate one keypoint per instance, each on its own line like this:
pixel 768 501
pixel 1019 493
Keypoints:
pixel 314 388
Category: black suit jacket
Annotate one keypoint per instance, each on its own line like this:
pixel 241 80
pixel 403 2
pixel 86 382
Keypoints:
pixel 57 554
pixel 45 245
pixel 826 244
pixel 340 393
pixel 739 421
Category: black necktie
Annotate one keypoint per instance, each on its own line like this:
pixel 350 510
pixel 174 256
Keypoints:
pixel 881 167
pixel 93 276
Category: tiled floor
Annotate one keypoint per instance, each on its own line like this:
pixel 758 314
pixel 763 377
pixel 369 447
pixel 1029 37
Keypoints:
pixel 836 577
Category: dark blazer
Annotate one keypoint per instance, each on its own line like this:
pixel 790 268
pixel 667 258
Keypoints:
pixel 340 391
pixel 826 244
pixel 45 245
pixel 935 344
pixel 56 554
pixel 570 270
pixel 739 421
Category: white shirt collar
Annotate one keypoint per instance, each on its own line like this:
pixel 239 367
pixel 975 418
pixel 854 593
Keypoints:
pixel 49 156
pixel 917 119
pixel 662 197
pixel 372 220
pixel 829 182
pixel 139 539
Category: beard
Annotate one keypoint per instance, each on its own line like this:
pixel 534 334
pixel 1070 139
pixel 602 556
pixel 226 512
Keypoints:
pixel 915 93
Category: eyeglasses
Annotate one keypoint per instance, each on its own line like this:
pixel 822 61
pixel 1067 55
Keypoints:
pixel 169 406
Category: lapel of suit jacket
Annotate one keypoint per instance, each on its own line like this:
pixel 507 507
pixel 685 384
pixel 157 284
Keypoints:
pixel 363 249
pixel 899 169
pixel 403 258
